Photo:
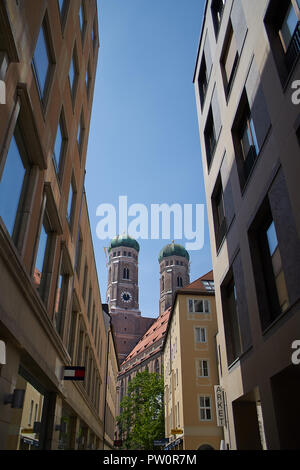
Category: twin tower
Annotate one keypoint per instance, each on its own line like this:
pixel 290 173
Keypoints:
pixel 123 290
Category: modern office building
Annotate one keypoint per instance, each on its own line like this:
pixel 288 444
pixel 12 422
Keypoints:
pixel 246 79
pixel 190 369
pixel 51 313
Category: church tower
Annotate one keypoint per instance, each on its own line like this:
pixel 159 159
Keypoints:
pixel 122 288
pixel 123 294
pixel 174 263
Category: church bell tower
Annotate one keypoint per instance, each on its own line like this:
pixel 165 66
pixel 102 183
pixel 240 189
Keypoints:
pixel 122 288
pixel 174 263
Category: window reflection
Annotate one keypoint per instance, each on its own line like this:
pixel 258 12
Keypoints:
pixel 41 62
pixel 11 184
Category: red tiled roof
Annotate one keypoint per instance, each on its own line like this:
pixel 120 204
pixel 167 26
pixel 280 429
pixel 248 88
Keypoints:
pixel 155 333
pixel 198 284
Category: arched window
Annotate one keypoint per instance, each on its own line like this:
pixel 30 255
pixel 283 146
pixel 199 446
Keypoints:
pixel 162 283
pixel 125 273
pixel 179 281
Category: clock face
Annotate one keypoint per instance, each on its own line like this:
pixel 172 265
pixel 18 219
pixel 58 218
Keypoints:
pixel 126 296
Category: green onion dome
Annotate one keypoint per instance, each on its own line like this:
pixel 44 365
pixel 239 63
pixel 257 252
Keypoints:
pixel 173 249
pixel 124 240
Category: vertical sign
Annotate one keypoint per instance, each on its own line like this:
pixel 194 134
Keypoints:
pixel 220 405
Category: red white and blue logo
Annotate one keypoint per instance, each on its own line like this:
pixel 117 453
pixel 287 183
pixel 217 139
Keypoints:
pixel 74 373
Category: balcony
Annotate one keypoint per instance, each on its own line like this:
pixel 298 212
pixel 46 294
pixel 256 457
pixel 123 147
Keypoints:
pixel 293 50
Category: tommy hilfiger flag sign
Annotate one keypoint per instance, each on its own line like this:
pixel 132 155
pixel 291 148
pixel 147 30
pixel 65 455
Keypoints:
pixel 74 373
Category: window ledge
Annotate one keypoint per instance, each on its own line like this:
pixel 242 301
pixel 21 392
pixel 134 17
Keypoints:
pixel 280 317
pixel 232 365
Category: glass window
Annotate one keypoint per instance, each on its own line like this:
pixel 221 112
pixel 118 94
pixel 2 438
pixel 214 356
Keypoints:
pixel 61 4
pixel 11 184
pixel 72 74
pixel 82 18
pixel 199 306
pixel 60 301
pixel 288 26
pixel 229 60
pixel 248 137
pixel 210 137
pixel 203 368
pixel 200 335
pixel 272 238
pixel 70 203
pixel 41 249
pixel 41 61
pixel 277 267
pixel 88 78
pixel 205 408
pixel 203 81
pixel 94 36
pixel 59 145
pixel 79 254
pixel 80 133
pixel 209 285
pixel 126 273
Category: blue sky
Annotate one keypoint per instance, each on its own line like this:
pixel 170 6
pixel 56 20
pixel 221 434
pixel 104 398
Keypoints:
pixel 144 140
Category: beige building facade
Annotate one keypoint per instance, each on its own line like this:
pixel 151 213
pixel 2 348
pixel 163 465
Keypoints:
pixel 245 82
pixel 51 313
pixel 190 369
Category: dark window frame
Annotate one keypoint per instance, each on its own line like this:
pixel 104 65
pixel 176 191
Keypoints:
pixel 210 138
pixel 228 82
pixel 285 61
pixel 215 11
pixel 220 226
pixel 74 86
pixel 266 290
pixel 59 165
pixel 245 162
pixel 203 81
pixel 233 339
